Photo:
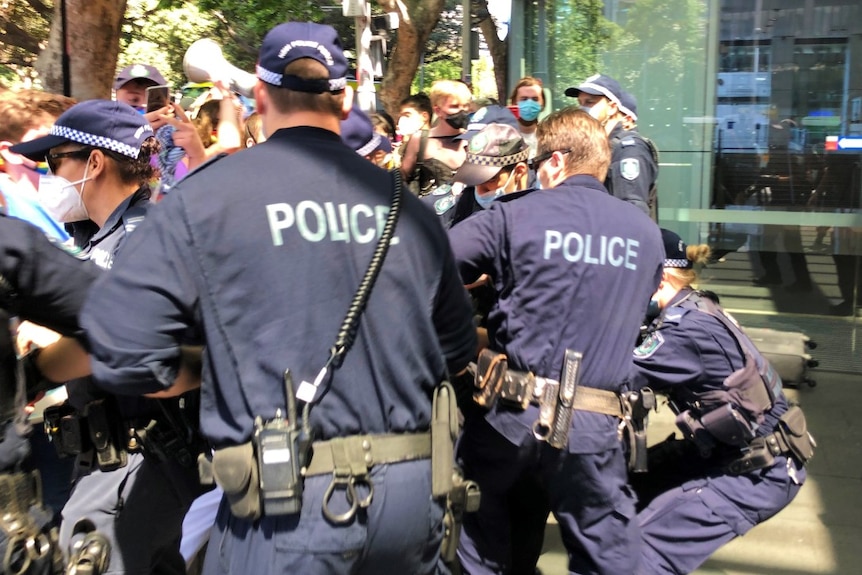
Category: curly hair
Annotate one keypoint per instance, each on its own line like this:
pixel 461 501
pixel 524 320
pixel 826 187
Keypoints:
pixel 140 171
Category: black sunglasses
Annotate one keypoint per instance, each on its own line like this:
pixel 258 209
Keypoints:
pixel 51 159
pixel 536 162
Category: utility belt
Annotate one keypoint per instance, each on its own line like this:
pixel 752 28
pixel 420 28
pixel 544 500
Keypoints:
pixel 100 437
pixel 790 438
pixel 557 400
pixel 265 476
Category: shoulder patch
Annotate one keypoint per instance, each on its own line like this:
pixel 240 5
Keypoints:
pixel 630 168
pixel 629 141
pixel 444 204
pixel 650 345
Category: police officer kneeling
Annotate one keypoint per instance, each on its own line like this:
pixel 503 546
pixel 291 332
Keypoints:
pixel 262 252
pixel 741 460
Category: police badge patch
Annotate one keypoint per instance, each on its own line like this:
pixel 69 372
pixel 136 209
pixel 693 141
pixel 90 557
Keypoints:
pixel 630 168
pixel 649 345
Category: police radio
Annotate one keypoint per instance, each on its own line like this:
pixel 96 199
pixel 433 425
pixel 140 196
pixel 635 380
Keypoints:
pixel 282 451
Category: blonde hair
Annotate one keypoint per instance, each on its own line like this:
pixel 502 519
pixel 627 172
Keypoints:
pixel 442 89
pixel 575 130
pixel 699 255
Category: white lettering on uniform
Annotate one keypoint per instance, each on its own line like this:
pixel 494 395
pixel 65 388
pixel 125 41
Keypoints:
pixel 599 250
pixel 302 208
pixel 280 217
pixel 355 212
pixel 358 223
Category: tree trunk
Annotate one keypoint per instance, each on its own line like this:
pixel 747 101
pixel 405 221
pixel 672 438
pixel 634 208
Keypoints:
pixel 417 19
pixel 499 48
pixel 93 34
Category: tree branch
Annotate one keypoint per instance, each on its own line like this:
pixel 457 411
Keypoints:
pixel 16 36
pixel 42 9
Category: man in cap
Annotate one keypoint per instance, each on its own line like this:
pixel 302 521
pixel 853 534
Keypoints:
pixel 358 132
pixel 634 160
pixel 558 258
pixel 444 198
pixel 136 473
pixel 268 299
pixel 131 83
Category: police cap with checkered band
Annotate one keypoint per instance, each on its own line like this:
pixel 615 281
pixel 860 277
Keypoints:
pixel 98 123
pixel 294 40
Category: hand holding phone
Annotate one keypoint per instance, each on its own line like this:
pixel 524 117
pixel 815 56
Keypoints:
pixel 157 97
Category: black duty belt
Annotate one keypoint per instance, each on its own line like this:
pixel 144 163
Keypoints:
pixel 586 398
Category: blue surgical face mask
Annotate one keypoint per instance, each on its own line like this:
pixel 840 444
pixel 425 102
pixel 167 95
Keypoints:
pixel 529 110
pixel 486 200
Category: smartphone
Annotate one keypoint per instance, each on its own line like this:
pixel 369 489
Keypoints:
pixel 157 97
pixel 515 111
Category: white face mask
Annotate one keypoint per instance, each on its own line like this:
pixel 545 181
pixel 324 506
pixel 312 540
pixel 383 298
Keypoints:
pixel 408 126
pixel 488 197
pixel 61 199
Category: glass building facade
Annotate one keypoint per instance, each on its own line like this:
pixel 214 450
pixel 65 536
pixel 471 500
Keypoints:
pixel 756 108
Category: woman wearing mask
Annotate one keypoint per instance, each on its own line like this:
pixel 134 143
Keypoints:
pixel 98 154
pixel 530 100
pixel 742 456
pixel 431 158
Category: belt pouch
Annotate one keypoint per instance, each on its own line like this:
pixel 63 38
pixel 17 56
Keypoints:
pixel 728 426
pixel 67 430
pixel 106 435
pixel 794 429
pixel 235 471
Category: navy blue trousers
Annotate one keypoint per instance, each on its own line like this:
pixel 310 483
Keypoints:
pixel 399 532
pixel 587 492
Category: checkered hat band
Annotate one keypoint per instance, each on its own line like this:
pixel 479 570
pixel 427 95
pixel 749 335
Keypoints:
pixel 275 79
pixel 604 91
pixel 96 141
pixel 675 263
pixel 498 161
pixel 370 146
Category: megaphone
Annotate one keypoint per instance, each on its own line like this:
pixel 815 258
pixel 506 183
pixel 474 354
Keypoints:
pixel 204 62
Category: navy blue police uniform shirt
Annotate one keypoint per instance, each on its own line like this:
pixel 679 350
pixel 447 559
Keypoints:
pixel 574 268
pixel 100 246
pixel 633 169
pixel 689 349
pixel 49 283
pixel 264 250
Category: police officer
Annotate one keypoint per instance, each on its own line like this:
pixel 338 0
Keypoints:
pixel 40 282
pixel 270 295
pixel 99 153
pixel 574 269
pixel 741 460
pixel 634 161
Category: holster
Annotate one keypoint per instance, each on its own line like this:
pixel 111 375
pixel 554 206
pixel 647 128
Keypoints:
pixel 636 406
pixel 464 497
pixel 444 432
pixel 491 370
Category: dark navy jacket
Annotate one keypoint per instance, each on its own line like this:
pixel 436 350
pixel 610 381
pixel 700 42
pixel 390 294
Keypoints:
pixel 50 283
pixel 263 251
pixel 633 169
pixel 688 348
pixel 574 268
